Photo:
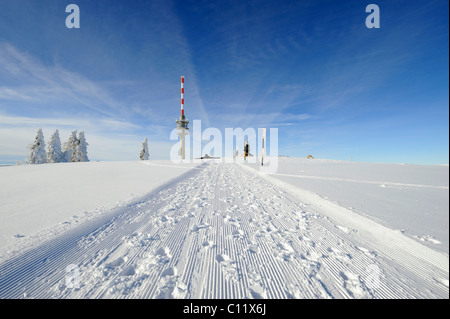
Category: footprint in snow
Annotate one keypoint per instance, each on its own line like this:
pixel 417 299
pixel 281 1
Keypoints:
pixel 253 248
pixel 157 259
pixel 353 285
pixel 340 255
pixel 237 233
pixel 366 251
pixel 257 292
pixel 222 258
pixel 207 244
pixel 428 238
pixel 255 288
pixel 343 229
pixel 228 266
pixel 163 252
pixel 167 219
pixel 307 241
pixel 196 227
pixel 171 271
pixel 284 252
pixel 176 290
pixel 312 255
pixel 294 291
pixel 302 225
pixel 116 262
pixel 128 271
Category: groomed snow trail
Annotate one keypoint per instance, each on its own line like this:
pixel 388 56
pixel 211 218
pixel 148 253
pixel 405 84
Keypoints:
pixel 220 231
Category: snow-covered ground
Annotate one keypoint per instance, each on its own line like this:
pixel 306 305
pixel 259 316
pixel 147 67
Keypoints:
pixel 49 197
pixel 413 199
pixel 155 229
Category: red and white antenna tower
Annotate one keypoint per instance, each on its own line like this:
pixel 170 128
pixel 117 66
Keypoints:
pixel 182 124
pixel 182 95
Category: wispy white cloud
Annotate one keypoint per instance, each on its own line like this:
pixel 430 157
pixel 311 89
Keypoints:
pixel 94 125
pixel 15 94
pixel 27 79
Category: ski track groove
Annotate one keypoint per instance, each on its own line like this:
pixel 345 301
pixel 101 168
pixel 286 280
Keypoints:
pixel 222 232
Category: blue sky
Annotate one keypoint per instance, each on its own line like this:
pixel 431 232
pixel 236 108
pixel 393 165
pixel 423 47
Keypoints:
pixel 333 88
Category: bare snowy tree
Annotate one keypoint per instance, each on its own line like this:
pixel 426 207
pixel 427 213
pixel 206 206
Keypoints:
pixel 144 151
pixel 37 150
pixel 54 152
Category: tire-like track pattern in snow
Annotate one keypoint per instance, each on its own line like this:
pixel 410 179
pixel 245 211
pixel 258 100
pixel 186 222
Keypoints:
pixel 218 232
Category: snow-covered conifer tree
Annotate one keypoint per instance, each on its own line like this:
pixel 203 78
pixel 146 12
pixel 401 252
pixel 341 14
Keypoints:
pixel 37 150
pixel 70 146
pixel 81 149
pixel 54 152
pixel 144 151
